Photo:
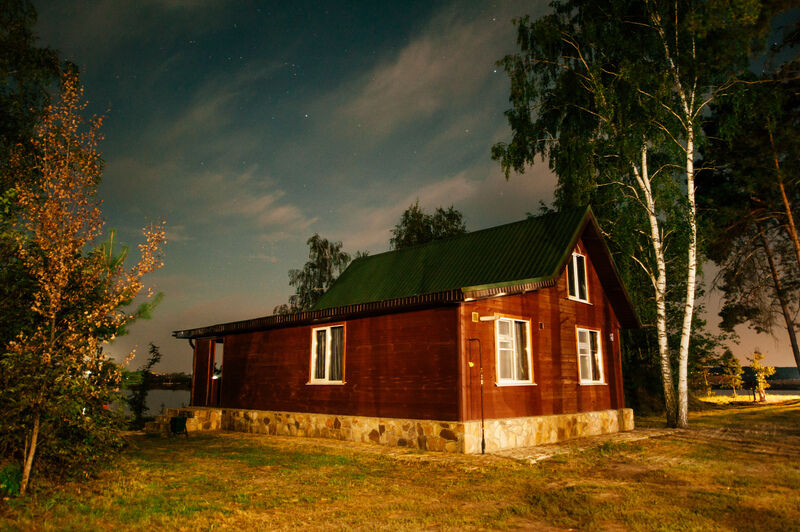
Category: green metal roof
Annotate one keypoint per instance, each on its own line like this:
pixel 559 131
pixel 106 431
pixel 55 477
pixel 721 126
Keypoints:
pixel 529 251
pixel 516 257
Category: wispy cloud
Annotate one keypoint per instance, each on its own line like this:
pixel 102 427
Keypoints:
pixel 178 234
pixel 443 66
pixel 216 105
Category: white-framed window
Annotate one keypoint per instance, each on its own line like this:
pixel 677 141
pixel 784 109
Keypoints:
pixel 577 287
pixel 327 354
pixel 513 348
pixel 590 356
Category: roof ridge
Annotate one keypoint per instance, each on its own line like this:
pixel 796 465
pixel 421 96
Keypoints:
pixel 439 241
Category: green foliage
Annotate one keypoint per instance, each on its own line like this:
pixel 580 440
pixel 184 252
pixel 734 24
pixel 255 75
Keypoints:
pixel 417 227
pixel 80 430
pixel 326 261
pixel 596 86
pixel 56 383
pixel 749 195
pixel 731 371
pixel 10 476
pixel 28 74
pixel 760 374
pixel 138 398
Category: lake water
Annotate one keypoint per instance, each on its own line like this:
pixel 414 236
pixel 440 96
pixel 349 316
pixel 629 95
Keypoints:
pixel 158 400
pixel 727 392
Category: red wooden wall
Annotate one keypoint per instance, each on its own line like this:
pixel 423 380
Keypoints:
pixel 416 364
pixel 554 319
pixel 401 365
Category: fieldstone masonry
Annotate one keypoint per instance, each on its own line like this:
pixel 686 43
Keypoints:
pixel 510 433
pixel 448 436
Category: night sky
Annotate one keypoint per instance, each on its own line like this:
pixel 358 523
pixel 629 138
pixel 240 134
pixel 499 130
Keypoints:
pixel 249 126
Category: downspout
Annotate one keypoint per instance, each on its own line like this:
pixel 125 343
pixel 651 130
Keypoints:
pixel 480 367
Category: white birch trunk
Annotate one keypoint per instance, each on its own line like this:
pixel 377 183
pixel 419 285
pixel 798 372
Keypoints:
pixel 691 283
pixel 659 280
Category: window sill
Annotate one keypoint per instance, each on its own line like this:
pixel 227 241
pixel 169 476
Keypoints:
pixel 591 383
pixel 507 384
pixel 326 383
pixel 584 301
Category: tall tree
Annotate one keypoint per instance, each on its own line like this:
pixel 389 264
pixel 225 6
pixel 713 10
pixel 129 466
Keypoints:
pixel 56 376
pixel 731 371
pixel 612 93
pixel 28 74
pixel 749 199
pixel 417 227
pixel 326 262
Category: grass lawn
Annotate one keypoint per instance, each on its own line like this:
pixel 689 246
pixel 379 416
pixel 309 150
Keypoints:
pixel 737 468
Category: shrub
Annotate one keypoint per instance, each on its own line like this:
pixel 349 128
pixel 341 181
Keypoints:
pixel 10 477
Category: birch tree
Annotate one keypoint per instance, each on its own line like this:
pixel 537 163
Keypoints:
pixel 57 380
pixel 612 94
pixel 326 262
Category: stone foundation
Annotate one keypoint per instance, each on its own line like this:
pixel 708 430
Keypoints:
pixel 515 432
pixel 449 436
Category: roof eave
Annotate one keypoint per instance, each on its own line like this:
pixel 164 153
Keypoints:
pixel 508 287
pixel 323 316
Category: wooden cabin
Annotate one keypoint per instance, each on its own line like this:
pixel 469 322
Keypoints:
pixel 498 338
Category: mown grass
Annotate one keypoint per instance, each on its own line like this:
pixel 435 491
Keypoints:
pixel 737 468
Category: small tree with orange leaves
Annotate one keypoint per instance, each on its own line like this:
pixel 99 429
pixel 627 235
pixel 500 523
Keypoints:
pixel 57 380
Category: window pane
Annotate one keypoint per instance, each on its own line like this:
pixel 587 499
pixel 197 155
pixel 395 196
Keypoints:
pixel 581 262
pixel 571 277
pixel 522 351
pixel 585 368
pixel 337 345
pixel 504 328
pixel 595 358
pixel 319 370
pixel 506 364
pixel 583 340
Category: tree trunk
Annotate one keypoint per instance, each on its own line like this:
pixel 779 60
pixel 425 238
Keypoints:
pixel 787 316
pixel 31 451
pixel 691 283
pixel 790 226
pixel 660 287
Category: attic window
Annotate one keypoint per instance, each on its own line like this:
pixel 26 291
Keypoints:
pixel 576 278
pixel 327 355
pixel 513 351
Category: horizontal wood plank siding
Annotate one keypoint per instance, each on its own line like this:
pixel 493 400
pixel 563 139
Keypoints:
pixel 395 365
pixel 554 318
